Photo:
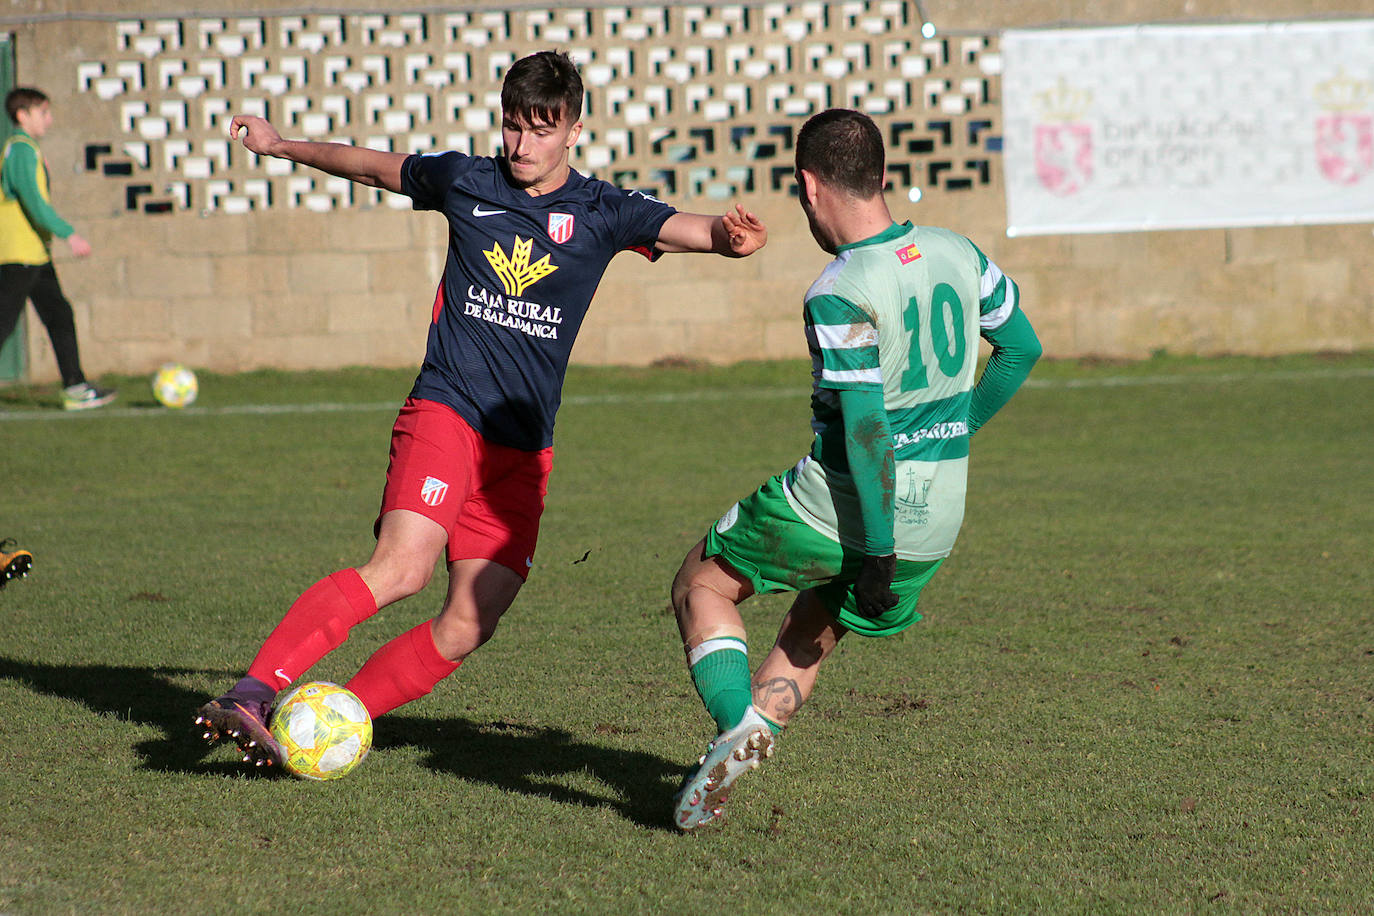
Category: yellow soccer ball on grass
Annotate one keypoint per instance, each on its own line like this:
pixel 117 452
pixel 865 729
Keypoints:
pixel 174 385
pixel 324 730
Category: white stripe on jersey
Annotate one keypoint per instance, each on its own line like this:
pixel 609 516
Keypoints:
pixel 998 316
pixel 826 281
pixel 845 336
pixel 872 376
pixel 987 283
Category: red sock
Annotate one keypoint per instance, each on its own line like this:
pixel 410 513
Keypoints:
pixel 317 623
pixel 404 669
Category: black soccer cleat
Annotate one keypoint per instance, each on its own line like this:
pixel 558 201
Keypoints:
pixel 15 565
pixel 244 722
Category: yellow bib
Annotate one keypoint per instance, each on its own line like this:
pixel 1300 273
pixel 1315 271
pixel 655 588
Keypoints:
pixel 20 241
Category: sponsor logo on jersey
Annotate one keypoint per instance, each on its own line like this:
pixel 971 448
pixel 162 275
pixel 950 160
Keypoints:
pixel 727 521
pixel 433 491
pixel 522 315
pixel 908 254
pixel 478 212
pixel 515 270
pixel 911 506
pixel 915 492
pixel 560 227
pixel 951 430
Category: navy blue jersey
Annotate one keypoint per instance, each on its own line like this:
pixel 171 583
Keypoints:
pixel 520 275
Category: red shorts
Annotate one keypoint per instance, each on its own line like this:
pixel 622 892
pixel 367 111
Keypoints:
pixel 488 497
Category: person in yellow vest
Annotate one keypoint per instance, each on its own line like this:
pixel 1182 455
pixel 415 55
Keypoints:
pixel 28 223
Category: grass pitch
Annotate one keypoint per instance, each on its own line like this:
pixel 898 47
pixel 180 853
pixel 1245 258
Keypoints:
pixel 1143 683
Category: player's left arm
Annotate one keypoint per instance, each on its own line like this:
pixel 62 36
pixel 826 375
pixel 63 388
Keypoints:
pixel 873 467
pixel 1015 348
pixel 21 171
pixel 734 234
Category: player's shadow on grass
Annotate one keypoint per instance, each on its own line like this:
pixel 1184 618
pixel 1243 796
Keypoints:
pixel 538 761
pixel 144 696
pixel 521 758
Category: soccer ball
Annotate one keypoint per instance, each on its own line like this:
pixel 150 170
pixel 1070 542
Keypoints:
pixel 323 729
pixel 174 385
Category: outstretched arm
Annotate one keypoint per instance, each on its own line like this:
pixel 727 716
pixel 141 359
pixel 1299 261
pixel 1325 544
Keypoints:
pixel 371 167
pixel 733 235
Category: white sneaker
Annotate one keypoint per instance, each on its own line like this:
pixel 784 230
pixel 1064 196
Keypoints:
pixel 85 396
pixel 732 754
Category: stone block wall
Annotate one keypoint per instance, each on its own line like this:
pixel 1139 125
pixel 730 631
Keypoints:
pixel 205 255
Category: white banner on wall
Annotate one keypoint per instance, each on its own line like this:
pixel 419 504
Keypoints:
pixel 1184 127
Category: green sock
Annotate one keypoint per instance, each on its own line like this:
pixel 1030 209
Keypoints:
pixel 720 671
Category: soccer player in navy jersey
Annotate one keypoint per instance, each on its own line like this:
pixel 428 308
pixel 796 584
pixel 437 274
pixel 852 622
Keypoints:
pixel 529 239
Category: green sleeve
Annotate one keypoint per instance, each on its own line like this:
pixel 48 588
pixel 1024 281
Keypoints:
pixel 868 445
pixel 1015 348
pixel 21 182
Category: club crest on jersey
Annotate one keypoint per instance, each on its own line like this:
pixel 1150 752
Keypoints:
pixel 433 491
pixel 560 227
pixel 908 254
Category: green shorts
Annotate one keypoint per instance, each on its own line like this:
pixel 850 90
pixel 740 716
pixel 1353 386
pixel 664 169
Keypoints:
pixel 765 540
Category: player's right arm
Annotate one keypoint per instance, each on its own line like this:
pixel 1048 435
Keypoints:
pixel 847 340
pixel 375 168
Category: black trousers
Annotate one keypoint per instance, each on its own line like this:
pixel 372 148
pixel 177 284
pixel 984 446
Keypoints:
pixel 38 283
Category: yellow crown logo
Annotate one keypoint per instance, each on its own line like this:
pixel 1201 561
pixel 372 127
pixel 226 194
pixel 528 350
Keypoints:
pixel 518 274
pixel 1063 102
pixel 1343 93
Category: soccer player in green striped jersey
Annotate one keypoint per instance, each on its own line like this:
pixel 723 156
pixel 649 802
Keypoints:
pixel 864 520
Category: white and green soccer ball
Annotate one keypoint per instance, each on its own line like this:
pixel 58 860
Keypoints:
pixel 174 385
pixel 323 729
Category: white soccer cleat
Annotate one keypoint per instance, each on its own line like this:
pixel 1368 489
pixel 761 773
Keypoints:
pixel 732 754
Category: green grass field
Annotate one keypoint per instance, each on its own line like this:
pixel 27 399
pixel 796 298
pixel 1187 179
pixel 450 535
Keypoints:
pixel 1144 684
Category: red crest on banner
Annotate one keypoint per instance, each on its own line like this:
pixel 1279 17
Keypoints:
pixel 1064 157
pixel 1345 146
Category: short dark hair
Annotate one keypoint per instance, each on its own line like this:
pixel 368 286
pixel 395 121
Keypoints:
pixel 22 98
pixel 543 87
pixel 844 149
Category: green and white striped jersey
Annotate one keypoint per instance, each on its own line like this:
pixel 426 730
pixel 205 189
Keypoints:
pixel 900 312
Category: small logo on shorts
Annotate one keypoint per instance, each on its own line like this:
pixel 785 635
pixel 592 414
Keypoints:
pixel 727 521
pixel 433 491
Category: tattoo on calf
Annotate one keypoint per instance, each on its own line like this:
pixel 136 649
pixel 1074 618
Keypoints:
pixel 778 696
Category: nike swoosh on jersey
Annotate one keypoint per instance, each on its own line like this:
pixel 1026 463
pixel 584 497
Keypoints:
pixel 479 212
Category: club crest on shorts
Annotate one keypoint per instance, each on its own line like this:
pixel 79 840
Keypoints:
pixel 433 491
pixel 560 227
